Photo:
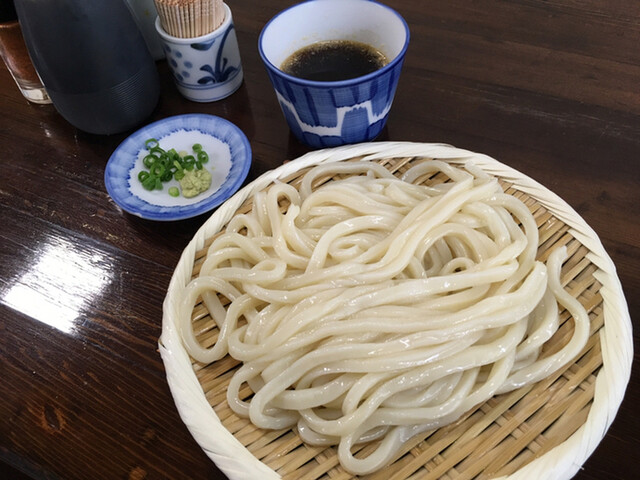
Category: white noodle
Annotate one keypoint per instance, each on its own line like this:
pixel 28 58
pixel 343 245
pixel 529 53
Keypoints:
pixel 372 308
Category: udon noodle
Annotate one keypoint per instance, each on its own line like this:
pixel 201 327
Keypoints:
pixel 375 307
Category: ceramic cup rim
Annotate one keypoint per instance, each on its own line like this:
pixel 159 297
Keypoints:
pixel 336 83
pixel 189 40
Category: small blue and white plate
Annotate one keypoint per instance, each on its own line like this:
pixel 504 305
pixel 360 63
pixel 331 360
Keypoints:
pixel 229 161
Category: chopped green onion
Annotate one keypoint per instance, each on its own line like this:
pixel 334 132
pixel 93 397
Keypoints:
pixel 152 142
pixel 203 157
pixel 157 169
pixel 162 166
pixel 157 151
pixel 149 183
pixel 148 160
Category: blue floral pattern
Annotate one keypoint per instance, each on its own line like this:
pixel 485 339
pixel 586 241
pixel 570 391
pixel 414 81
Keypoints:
pixel 203 45
pixel 222 71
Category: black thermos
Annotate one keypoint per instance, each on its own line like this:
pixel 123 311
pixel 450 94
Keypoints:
pixel 93 61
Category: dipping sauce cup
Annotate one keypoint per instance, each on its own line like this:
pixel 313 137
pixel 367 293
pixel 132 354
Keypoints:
pixel 331 113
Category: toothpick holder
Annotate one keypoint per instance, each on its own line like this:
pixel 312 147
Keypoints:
pixel 205 68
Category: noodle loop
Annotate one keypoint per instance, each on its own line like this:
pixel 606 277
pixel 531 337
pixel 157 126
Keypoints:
pixel 373 308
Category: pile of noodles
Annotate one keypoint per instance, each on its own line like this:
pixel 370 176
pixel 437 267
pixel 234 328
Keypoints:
pixel 373 308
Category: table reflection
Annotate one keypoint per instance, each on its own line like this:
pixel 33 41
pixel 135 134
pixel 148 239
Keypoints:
pixel 59 286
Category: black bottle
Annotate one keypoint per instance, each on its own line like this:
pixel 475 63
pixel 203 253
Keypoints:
pixel 93 61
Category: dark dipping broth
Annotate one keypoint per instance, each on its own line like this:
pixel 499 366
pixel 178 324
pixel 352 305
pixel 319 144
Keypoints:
pixel 333 60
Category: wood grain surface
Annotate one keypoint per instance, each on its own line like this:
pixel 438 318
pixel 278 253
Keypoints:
pixel 550 88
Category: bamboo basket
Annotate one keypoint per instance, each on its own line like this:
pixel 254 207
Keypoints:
pixel 545 430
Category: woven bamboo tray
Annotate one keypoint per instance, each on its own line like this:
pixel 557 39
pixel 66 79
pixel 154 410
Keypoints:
pixel 545 430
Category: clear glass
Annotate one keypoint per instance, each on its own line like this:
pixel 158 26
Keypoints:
pixel 16 57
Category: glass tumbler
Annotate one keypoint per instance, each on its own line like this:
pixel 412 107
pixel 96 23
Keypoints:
pixel 16 57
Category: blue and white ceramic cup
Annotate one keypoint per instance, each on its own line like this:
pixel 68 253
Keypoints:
pixel 326 114
pixel 205 68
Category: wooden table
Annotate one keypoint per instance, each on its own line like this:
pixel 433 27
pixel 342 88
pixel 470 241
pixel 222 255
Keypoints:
pixel 550 88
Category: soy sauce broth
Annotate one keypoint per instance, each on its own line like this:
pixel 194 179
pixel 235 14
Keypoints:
pixel 334 60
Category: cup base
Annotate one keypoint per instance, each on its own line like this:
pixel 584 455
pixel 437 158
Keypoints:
pixel 211 94
pixel 36 95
